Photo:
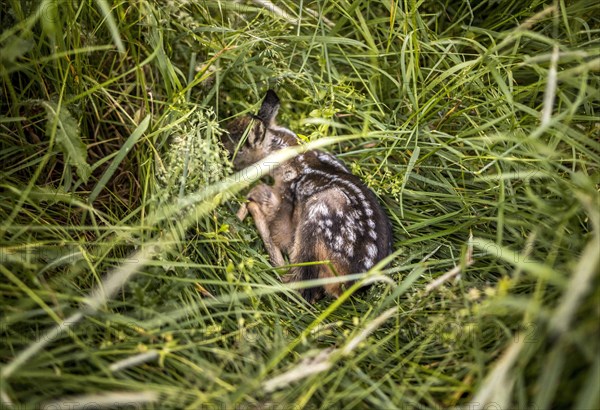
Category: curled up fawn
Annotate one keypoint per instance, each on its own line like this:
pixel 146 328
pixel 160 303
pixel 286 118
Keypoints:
pixel 316 210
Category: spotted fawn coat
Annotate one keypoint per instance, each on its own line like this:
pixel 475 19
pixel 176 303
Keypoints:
pixel 316 210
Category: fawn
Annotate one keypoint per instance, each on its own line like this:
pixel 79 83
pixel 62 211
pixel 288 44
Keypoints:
pixel 316 210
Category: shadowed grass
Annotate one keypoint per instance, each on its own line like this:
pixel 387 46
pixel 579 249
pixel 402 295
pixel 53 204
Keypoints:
pixel 129 279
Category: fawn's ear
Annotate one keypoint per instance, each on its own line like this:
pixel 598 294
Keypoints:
pixel 268 109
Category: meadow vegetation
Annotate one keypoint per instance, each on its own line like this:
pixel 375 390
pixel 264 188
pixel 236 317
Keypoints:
pixel 128 281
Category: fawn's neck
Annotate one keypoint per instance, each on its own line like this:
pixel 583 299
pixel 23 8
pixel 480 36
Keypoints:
pixel 281 138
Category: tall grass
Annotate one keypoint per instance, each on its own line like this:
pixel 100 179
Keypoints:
pixel 128 280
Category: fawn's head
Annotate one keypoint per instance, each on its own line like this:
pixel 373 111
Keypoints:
pixel 251 138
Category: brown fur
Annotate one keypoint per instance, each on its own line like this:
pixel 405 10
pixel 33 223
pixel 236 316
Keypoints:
pixel 316 210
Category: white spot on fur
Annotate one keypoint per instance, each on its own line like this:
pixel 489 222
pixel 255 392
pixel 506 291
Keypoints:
pixel 355 214
pixel 371 251
pixel 339 243
pixel 317 210
pixel 349 250
pixel 351 235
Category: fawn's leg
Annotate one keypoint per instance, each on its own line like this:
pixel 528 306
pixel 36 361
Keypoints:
pixel 263 230
pixel 263 207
